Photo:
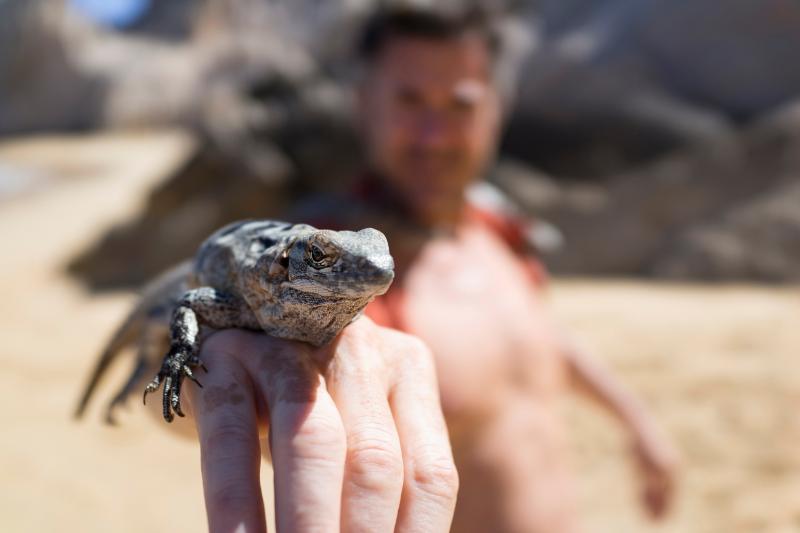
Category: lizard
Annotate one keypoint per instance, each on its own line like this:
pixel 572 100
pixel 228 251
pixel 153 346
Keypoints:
pixel 292 281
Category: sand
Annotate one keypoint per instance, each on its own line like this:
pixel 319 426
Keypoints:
pixel 717 364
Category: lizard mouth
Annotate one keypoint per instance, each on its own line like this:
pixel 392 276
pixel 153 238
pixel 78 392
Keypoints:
pixel 368 283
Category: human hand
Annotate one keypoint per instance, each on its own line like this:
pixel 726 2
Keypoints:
pixel 657 462
pixel 356 432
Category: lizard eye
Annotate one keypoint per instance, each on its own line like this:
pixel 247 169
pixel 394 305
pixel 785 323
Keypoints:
pixel 317 255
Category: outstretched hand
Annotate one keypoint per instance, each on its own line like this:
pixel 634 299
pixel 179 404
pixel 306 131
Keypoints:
pixel 356 433
pixel 657 462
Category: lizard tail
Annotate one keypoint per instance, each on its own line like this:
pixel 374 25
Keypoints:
pixel 125 335
pixel 157 300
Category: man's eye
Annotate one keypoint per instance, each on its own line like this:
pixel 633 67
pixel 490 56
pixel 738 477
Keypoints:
pixel 317 254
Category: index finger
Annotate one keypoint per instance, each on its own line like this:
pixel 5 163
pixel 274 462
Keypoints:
pixel 227 424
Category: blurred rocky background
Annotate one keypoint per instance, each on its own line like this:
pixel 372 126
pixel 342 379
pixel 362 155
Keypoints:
pixel 660 137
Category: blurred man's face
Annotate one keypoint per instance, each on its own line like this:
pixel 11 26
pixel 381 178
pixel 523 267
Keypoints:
pixel 430 115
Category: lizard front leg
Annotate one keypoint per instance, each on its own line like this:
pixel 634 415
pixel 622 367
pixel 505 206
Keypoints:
pixel 206 306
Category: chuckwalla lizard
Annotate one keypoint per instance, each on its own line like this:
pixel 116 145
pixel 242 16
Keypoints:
pixel 292 281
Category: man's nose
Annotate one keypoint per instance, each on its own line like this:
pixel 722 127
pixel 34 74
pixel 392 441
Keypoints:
pixel 433 130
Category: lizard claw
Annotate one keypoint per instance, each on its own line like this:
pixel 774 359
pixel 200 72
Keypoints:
pixel 176 366
pixel 195 361
pixel 190 374
pixel 175 398
pixel 151 387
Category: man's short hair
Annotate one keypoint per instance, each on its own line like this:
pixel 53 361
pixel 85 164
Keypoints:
pixel 426 23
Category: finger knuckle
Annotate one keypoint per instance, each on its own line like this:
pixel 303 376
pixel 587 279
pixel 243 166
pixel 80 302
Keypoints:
pixel 321 433
pixel 227 436
pixel 435 476
pixel 374 463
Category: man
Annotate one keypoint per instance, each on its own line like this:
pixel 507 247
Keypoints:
pixel 356 427
pixel 430 107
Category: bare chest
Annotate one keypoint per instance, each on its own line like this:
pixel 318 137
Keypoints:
pixel 472 301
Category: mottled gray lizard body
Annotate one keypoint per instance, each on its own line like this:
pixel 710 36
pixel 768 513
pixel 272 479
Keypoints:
pixel 291 281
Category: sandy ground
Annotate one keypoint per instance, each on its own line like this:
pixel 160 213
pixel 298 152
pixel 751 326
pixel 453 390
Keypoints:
pixel 718 366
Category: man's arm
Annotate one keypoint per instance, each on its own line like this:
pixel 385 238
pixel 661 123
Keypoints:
pixel 656 458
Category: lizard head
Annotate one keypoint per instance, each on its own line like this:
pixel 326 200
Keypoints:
pixel 319 281
pixel 349 265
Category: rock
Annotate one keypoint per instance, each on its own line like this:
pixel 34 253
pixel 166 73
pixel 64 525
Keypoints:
pixel 33 62
pixel 759 236
pixel 698 213
pixel 197 199
pixel 759 240
pixel 619 83
pixel 661 98
pixel 271 128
